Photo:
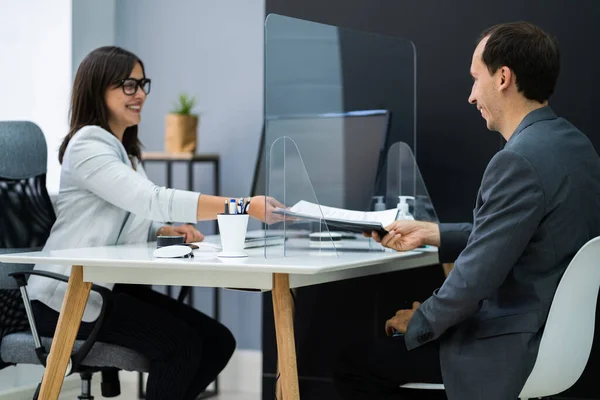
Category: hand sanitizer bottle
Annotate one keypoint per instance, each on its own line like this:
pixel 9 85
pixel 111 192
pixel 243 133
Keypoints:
pixel 379 205
pixel 403 213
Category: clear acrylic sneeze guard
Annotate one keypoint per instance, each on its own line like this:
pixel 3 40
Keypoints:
pixel 309 227
pixel 335 99
pixel 289 183
pixel 403 178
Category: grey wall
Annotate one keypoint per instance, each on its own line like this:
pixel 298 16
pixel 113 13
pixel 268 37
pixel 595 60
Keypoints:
pixel 93 26
pixel 212 50
pixel 303 68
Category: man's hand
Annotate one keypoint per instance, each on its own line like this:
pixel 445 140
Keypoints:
pixel 262 208
pixel 408 235
pixel 399 323
pixel 189 231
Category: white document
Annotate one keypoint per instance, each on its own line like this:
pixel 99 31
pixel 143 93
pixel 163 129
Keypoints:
pixel 314 210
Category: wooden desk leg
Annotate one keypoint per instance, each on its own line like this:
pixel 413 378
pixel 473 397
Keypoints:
pixel 284 330
pixel 278 393
pixel 64 337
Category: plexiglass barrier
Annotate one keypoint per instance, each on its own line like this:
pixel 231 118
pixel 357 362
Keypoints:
pixel 341 95
pixel 310 226
pixel 404 184
pixel 303 228
pixel 335 99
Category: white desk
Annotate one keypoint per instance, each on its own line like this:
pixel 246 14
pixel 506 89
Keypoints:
pixel 135 264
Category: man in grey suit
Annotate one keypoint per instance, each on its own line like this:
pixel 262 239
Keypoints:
pixel 538 204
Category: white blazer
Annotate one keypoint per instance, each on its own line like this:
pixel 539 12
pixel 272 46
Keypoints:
pixel 104 201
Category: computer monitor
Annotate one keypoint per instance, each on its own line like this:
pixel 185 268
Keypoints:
pixel 342 153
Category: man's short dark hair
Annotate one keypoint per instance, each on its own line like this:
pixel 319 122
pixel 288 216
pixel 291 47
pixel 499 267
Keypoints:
pixel 529 52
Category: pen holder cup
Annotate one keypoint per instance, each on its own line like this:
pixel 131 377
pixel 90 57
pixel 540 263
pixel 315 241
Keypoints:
pixel 232 228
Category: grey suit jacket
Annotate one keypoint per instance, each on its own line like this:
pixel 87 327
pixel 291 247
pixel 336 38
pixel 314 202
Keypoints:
pixel 538 203
pixel 103 201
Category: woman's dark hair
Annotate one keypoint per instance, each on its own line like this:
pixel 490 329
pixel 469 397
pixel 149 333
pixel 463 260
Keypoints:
pixel 99 70
pixel 531 53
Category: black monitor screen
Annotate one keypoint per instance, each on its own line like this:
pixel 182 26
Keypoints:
pixel 342 154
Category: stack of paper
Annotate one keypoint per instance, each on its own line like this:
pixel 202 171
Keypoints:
pixel 359 221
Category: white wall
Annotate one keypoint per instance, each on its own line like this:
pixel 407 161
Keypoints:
pixel 35 69
pixel 35 79
pixel 41 44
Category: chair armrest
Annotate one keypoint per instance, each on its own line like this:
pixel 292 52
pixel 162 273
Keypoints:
pixel 19 276
pixel 107 300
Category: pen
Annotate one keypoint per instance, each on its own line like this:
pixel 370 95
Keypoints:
pixel 240 206
pixel 232 207
pixel 226 209
pixel 247 207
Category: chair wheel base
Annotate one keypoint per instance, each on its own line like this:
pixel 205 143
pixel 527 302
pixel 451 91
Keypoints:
pixel 110 389
pixel 110 386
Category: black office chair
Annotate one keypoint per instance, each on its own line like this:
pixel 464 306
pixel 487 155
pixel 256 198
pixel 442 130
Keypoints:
pixel 26 217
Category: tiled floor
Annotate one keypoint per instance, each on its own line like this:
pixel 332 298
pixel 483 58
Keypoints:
pixel 129 392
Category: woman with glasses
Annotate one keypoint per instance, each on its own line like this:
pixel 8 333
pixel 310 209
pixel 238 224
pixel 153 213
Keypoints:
pixel 105 198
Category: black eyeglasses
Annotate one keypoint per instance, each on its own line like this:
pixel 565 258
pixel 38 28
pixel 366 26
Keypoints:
pixel 130 85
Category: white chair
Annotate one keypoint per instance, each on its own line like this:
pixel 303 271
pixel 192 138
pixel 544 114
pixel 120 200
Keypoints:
pixel 572 315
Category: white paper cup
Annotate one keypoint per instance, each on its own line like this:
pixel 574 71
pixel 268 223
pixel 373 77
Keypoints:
pixel 232 228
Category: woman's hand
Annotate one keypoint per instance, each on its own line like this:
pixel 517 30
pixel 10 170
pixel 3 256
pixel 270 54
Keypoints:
pixel 189 231
pixel 262 208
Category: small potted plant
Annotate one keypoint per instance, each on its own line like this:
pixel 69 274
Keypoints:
pixel 182 126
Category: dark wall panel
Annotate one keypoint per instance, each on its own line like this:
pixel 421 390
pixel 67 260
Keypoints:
pixel 453 145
